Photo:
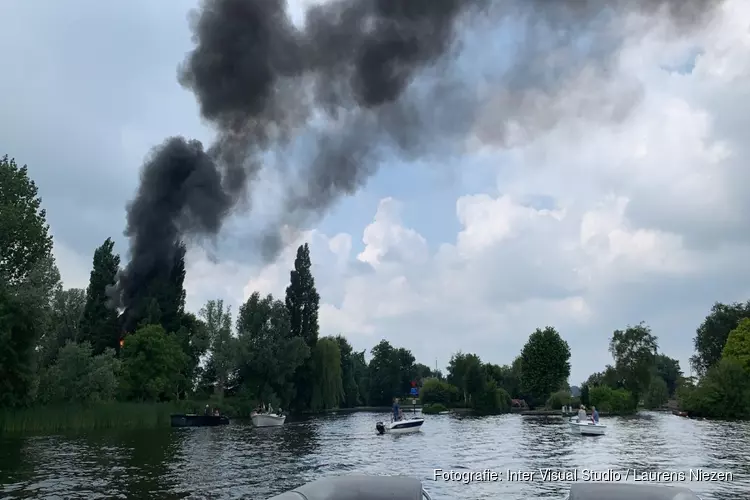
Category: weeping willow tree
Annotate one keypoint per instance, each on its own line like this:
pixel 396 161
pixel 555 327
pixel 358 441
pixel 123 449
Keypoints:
pixel 328 389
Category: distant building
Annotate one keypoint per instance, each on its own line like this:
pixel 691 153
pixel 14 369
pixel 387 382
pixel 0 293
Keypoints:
pixel 575 391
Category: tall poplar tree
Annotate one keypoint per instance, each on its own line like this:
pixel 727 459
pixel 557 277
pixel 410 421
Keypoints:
pixel 99 324
pixel 302 303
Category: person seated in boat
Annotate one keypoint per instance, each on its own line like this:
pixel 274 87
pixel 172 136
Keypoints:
pixel 594 415
pixel 216 412
pixel 582 414
pixel 397 415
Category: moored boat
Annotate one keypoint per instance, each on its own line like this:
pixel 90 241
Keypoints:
pixel 261 419
pixel 193 420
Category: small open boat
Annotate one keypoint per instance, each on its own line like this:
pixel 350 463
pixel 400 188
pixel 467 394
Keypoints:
pixel 587 428
pixel 193 420
pixel 261 419
pixel 403 426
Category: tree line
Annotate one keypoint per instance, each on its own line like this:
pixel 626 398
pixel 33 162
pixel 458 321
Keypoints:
pixel 642 375
pixel 62 346
pixel 69 345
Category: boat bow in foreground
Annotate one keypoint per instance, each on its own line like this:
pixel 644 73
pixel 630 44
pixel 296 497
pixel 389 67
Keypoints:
pixel 364 487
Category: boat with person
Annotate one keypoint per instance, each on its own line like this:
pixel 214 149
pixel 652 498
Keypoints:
pixel 402 426
pixel 267 417
pixel 366 487
pixel 587 427
pixel 195 420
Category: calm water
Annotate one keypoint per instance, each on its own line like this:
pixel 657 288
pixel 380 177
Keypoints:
pixel 238 461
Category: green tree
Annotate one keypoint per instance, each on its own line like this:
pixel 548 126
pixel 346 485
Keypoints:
pixel 24 232
pixel 474 378
pixel 712 335
pixel 657 393
pixel 545 365
pixel 435 391
pixel 302 303
pixel 668 369
pixel 724 392
pixel 361 376
pixel 634 351
pixel 559 399
pixel 78 376
pixel 422 372
pixel 491 399
pixel 390 373
pixel 328 390
pixel 738 344
pixel 608 377
pixel 457 367
pixel 218 326
pixel 17 336
pixel 100 325
pixel 66 311
pixel 28 281
pixel 609 400
pixel 508 377
pixel 194 341
pixel 585 394
pixel 269 354
pixel 348 374
pixel 152 365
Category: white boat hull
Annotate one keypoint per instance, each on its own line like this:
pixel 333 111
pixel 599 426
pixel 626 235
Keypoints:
pixel 267 420
pixel 405 426
pixel 587 428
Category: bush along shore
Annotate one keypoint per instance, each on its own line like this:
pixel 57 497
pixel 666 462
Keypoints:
pixel 124 352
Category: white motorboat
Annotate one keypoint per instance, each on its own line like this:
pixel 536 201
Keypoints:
pixel 362 487
pixel 403 426
pixel 261 419
pixel 587 428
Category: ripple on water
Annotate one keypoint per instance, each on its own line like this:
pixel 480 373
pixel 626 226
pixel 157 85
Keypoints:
pixel 239 461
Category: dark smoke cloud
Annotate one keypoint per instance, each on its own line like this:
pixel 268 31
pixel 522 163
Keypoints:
pixel 261 81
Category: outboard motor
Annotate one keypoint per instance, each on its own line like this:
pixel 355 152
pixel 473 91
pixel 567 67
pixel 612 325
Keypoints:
pixel 380 427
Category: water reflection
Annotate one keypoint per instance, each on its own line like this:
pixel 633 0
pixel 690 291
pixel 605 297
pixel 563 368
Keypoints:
pixel 242 461
pixel 14 468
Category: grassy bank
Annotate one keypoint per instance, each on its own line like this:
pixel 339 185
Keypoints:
pixel 51 419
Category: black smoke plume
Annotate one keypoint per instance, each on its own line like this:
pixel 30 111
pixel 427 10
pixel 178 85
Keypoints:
pixel 261 80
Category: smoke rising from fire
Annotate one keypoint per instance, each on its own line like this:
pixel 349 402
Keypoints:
pixel 346 79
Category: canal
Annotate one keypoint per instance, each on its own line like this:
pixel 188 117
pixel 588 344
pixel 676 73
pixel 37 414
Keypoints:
pixel 239 461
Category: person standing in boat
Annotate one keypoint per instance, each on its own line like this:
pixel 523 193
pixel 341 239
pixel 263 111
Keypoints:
pixel 594 415
pixel 207 411
pixel 396 410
